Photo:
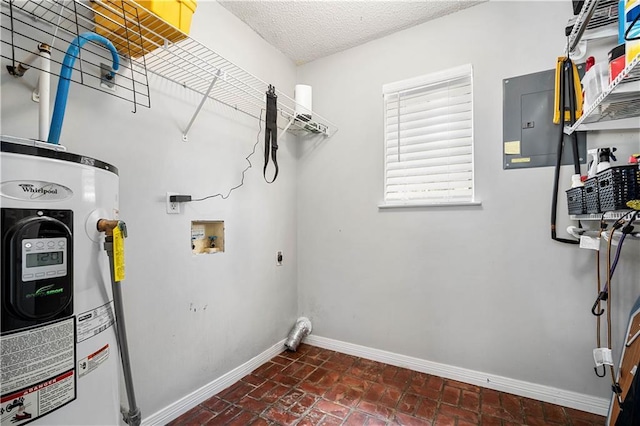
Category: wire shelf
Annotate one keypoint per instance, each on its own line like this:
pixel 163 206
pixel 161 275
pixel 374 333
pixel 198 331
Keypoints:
pixel 193 65
pixel 609 216
pixel 26 24
pixel 616 102
pixel 145 47
pixel 580 24
pixel 597 19
pixel 606 13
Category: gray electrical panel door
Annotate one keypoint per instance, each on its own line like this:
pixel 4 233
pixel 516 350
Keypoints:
pixel 530 138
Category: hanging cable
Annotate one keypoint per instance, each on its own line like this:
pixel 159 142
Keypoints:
pixel 603 293
pixel 570 75
pixel 224 197
pixel 617 257
pixel 566 73
pixel 615 386
pixel 596 310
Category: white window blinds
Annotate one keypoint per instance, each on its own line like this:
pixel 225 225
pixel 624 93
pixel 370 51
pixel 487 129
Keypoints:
pixel 429 138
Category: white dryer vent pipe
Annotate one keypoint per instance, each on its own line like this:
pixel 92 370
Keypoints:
pixel 300 330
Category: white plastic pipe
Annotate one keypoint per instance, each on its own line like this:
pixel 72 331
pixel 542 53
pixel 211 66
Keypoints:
pixel 23 66
pixel 44 91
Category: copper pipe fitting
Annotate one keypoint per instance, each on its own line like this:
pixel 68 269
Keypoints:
pixel 107 226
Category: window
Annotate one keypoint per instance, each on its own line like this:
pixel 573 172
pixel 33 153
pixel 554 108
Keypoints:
pixel 428 125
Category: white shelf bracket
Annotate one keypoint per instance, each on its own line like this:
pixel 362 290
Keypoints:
pixel 287 127
pixel 185 138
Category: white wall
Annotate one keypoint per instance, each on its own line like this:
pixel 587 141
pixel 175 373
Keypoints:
pixel 190 318
pixel 483 288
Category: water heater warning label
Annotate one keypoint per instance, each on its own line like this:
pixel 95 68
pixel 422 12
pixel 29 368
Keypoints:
pixel 93 361
pixel 95 321
pixel 36 401
pixel 38 371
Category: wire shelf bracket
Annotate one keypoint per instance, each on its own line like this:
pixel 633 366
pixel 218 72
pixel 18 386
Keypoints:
pixel 291 121
pixel 185 138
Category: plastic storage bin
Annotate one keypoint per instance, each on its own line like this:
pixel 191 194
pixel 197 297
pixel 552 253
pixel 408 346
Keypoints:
pixel 591 195
pixel 594 83
pixel 576 202
pixel 617 185
pixel 159 20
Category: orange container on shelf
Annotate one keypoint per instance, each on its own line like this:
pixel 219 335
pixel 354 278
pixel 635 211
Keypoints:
pixel 159 20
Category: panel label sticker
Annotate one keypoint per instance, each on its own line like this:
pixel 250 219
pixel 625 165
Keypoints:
pixel 37 354
pixel 38 371
pixel 93 361
pixel 197 232
pixel 95 321
pixel 512 148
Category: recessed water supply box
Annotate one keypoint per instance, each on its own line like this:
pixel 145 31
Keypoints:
pixel 207 236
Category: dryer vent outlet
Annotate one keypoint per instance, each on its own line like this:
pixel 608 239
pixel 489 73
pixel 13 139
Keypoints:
pixel 300 330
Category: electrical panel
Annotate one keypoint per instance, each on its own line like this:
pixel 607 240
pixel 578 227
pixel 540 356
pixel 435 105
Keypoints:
pixel 530 138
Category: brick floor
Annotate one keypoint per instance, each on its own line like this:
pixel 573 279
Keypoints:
pixel 317 387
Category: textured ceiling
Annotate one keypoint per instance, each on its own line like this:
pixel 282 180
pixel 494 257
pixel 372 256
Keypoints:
pixel 308 30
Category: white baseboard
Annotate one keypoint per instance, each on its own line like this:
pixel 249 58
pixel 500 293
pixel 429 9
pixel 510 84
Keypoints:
pixel 549 394
pixel 183 405
pixel 562 397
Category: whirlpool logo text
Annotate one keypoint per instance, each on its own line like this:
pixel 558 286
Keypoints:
pixel 35 190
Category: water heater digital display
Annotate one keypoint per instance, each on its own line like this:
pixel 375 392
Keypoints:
pixel 37 281
pixel 44 257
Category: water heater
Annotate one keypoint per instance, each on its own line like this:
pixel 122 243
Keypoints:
pixel 59 354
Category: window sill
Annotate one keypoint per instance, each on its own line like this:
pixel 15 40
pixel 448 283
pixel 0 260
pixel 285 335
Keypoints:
pixel 428 205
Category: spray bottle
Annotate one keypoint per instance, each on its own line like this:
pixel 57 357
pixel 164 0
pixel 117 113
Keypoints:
pixel 599 160
pixel 605 155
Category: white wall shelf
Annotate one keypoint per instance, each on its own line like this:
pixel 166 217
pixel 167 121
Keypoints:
pixel 597 19
pixel 135 32
pixel 610 31
pixel 608 216
pixel 193 65
pixel 618 107
pixel 619 101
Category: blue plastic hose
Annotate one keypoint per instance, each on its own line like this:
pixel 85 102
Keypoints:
pixel 65 78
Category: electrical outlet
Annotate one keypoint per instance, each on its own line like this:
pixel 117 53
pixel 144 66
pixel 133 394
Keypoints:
pixel 279 258
pixel 172 208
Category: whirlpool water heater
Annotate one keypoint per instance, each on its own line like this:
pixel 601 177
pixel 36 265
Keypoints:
pixel 60 360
